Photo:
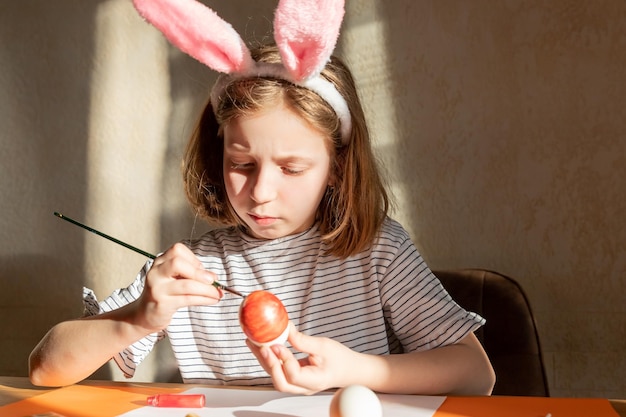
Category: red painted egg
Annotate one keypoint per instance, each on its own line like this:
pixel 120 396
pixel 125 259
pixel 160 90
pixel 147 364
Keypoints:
pixel 263 318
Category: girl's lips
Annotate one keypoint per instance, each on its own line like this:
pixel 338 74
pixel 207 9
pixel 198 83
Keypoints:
pixel 262 220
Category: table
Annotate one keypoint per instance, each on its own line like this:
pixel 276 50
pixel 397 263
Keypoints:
pixel 13 389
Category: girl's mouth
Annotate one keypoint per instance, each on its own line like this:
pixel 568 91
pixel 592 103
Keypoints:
pixel 262 220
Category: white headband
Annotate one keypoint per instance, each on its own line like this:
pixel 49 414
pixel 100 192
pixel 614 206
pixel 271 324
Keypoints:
pixel 305 32
pixel 318 84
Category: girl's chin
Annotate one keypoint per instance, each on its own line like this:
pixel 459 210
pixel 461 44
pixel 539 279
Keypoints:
pixel 264 232
pixel 271 233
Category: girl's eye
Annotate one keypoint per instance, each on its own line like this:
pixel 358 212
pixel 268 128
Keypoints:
pixel 240 166
pixel 292 171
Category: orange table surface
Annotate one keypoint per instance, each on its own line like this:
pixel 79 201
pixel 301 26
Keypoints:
pixel 84 401
pixel 525 407
pixel 105 399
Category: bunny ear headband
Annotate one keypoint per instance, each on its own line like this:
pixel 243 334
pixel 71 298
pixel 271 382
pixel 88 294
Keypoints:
pixel 305 32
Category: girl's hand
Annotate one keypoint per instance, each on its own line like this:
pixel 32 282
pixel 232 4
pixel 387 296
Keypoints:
pixel 177 279
pixel 327 365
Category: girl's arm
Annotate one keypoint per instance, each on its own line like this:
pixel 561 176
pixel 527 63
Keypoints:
pixel 462 368
pixel 74 349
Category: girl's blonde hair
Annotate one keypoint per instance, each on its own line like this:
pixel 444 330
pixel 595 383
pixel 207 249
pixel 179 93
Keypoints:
pixel 355 203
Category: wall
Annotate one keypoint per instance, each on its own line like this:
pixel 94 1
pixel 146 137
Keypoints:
pixel 500 125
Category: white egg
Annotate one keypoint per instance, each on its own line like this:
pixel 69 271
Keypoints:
pixel 355 401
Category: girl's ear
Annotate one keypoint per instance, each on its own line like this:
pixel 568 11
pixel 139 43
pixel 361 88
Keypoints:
pixel 198 31
pixel 306 33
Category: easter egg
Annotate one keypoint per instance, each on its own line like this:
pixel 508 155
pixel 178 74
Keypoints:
pixel 355 401
pixel 263 318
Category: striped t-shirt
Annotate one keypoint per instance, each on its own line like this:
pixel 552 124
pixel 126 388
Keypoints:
pixel 382 301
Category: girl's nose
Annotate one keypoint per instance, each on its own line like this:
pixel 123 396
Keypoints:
pixel 264 186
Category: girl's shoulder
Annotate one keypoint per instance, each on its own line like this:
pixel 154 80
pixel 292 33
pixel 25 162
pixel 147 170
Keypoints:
pixel 392 231
pixel 392 241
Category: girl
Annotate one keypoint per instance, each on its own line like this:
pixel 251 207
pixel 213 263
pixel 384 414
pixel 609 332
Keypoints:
pixel 286 168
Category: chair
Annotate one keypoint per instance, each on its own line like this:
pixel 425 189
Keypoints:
pixel 509 336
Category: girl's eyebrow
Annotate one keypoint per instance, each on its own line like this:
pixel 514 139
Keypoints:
pixel 236 146
pixel 294 158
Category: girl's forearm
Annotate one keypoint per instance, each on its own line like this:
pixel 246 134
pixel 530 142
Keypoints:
pixel 461 369
pixel 73 350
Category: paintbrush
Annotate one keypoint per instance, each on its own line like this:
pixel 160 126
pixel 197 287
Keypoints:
pixel 144 253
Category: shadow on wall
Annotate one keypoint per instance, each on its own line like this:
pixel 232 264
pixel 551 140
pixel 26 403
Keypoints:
pixel 31 302
pixel 190 83
pixel 46 63
pixel 457 97
pixel 428 117
pixel 512 119
pixel 47 60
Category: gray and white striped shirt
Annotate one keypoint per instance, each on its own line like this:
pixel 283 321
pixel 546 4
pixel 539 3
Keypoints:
pixel 381 301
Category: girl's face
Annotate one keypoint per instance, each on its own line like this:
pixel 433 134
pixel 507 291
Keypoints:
pixel 276 170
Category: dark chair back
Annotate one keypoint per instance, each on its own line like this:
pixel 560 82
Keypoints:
pixel 510 335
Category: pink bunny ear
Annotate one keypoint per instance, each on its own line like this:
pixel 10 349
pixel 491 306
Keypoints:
pixel 306 33
pixel 198 31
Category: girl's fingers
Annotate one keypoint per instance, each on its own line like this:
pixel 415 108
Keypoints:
pixel 273 365
pixel 281 363
pixel 182 273
pixel 289 364
pixel 302 342
pixel 178 251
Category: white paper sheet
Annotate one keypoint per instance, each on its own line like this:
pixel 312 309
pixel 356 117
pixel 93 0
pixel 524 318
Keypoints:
pixel 265 403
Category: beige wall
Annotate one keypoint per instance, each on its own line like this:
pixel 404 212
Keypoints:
pixel 501 125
